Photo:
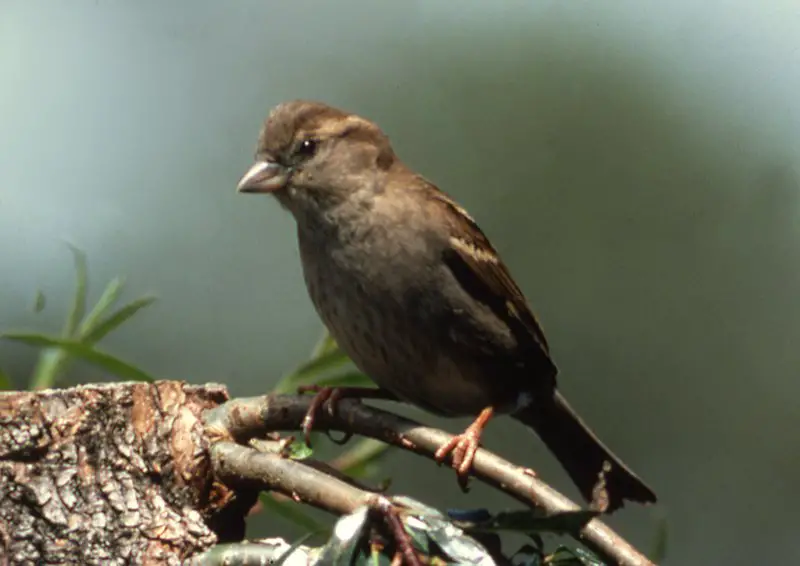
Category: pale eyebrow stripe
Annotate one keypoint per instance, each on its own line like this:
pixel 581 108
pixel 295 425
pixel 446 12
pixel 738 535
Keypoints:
pixel 341 125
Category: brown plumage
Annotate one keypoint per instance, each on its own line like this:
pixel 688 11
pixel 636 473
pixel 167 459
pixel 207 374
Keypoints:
pixel 414 292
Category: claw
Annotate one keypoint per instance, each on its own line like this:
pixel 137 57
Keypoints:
pixel 463 447
pixel 322 394
pixel 326 398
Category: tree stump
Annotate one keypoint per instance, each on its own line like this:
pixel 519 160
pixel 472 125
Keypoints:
pixel 111 474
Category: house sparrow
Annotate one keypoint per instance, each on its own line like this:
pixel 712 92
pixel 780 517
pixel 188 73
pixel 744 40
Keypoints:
pixel 415 294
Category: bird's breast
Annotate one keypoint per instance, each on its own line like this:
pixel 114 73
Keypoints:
pixel 390 323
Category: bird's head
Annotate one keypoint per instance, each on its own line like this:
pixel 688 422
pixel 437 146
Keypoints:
pixel 312 156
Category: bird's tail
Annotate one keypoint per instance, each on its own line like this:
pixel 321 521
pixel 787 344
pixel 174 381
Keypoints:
pixel 583 456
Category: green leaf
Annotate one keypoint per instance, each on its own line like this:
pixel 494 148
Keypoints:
pixel 78 308
pixel 458 546
pixel 419 538
pixel 312 369
pixel 325 345
pixel 344 542
pixel 325 362
pixel 660 540
pixel 533 521
pixel 51 363
pixel 346 379
pixel 566 556
pixel 528 555
pixel 85 352
pixel 48 367
pixel 292 512
pixel 295 545
pixel 5 381
pixel 415 507
pixel 299 451
pixel 110 295
pixel 587 557
pixel 248 553
pixel 113 321
pixel 39 301
pixel 361 460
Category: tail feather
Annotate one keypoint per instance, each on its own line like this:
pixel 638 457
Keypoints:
pixel 583 455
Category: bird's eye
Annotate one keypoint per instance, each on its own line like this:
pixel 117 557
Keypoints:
pixel 306 149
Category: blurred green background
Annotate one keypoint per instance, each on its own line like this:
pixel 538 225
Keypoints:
pixel 636 163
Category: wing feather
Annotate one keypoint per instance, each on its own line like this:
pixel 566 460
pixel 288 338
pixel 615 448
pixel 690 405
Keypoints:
pixel 482 273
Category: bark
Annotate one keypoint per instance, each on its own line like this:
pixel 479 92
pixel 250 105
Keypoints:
pixel 111 474
pixel 131 473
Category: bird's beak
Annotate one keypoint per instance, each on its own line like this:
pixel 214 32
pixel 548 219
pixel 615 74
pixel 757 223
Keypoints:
pixel 263 177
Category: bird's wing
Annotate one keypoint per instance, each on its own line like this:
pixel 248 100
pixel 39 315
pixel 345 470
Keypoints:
pixel 481 272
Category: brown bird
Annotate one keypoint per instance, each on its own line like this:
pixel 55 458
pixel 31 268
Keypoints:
pixel 415 294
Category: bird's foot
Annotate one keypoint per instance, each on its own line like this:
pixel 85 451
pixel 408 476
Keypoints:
pixel 326 398
pixel 463 447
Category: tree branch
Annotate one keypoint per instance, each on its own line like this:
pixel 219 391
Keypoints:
pixel 131 472
pixel 235 465
pixel 242 419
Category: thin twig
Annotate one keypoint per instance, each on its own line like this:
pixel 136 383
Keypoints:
pixel 242 419
pixel 237 464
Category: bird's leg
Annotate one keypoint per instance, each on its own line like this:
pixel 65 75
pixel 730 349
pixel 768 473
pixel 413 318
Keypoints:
pixel 328 397
pixel 464 446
